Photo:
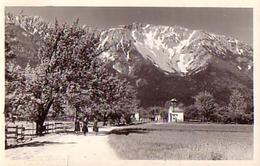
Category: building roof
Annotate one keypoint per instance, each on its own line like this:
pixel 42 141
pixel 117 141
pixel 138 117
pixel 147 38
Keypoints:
pixel 173 100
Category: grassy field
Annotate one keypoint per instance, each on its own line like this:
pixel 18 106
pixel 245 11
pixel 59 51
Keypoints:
pixel 183 142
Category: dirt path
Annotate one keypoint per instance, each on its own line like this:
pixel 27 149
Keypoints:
pixel 63 149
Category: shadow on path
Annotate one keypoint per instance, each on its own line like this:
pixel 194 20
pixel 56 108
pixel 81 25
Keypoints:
pixel 38 143
pixel 127 131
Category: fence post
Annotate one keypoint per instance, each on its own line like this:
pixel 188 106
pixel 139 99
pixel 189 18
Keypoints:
pixel 51 128
pixel 46 128
pixel 64 129
pixel 16 133
pixel 6 131
pixel 33 132
pixel 55 127
pixel 23 132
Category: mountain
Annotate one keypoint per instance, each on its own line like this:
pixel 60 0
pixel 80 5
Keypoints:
pixel 165 62
pixel 162 62
pixel 23 35
pixel 176 50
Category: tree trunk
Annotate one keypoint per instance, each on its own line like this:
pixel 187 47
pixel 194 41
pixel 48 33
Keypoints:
pixel 128 119
pixel 104 119
pixel 118 120
pixel 41 117
pixel 78 110
pixel 39 127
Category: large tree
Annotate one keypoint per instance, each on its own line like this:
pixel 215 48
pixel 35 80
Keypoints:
pixel 67 56
pixel 126 104
pixel 70 72
pixel 237 107
pixel 205 103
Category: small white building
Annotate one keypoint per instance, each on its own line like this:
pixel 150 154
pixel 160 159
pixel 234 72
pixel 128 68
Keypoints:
pixel 175 114
pixel 158 118
pixel 137 116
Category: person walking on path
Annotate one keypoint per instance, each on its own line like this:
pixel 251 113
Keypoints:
pixel 77 126
pixel 95 125
pixel 85 125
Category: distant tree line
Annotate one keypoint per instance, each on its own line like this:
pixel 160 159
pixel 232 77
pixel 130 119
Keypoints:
pixel 238 110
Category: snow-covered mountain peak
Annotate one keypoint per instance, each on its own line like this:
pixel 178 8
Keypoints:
pixel 174 49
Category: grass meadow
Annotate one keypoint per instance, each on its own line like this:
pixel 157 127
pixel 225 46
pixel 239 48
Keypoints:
pixel 183 142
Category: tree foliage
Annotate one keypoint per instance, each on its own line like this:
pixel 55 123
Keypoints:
pixel 71 73
pixel 205 103
pixel 237 107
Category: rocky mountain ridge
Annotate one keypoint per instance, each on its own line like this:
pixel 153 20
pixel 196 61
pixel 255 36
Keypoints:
pixel 176 50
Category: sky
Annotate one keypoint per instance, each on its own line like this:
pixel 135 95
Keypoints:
pixel 234 22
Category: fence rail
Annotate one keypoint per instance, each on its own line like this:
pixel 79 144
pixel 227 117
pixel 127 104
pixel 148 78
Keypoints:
pixel 18 134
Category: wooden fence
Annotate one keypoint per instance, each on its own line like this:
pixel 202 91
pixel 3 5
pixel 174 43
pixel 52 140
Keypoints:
pixel 57 127
pixel 19 134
